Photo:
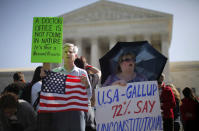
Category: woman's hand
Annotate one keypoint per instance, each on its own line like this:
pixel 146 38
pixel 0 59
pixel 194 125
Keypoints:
pixel 84 80
pixel 120 82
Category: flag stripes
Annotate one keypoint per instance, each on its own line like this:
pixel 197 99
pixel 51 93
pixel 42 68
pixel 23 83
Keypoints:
pixel 64 97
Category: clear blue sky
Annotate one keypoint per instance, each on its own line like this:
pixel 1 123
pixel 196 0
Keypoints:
pixel 16 26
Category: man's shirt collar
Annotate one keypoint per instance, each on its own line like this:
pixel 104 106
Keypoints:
pixel 67 72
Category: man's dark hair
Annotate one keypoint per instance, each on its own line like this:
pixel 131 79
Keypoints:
pixel 18 76
pixel 13 88
pixel 80 62
pixel 8 100
pixel 187 92
pixel 161 79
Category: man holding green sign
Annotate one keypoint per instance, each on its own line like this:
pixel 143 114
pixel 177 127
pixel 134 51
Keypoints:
pixel 62 106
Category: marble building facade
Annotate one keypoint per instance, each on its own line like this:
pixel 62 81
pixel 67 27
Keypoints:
pixel 96 28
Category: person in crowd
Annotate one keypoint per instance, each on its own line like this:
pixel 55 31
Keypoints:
pixel 16 114
pixel 19 84
pixel 189 110
pixel 36 88
pixel 18 76
pixel 176 109
pixel 27 93
pixel 125 71
pixel 94 75
pixel 167 102
pixel 71 120
pixel 14 88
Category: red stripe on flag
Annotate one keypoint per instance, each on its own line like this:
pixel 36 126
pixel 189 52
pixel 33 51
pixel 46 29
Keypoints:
pixel 62 98
pixel 73 80
pixel 73 87
pixel 62 105
pixel 79 92
pixel 72 76
pixel 71 109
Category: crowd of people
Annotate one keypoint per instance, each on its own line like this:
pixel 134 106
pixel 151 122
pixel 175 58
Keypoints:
pixel 178 114
pixel 19 101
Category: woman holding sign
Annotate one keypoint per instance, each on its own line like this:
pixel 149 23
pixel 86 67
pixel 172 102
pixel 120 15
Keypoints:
pixel 125 71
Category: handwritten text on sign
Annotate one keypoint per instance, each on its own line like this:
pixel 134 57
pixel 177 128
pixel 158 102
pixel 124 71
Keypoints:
pixel 47 39
pixel 135 107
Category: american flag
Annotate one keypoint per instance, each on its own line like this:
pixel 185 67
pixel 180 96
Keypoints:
pixel 61 92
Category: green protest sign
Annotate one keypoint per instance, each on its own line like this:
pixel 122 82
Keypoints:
pixel 47 40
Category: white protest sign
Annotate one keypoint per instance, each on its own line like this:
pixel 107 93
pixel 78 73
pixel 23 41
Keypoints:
pixel 135 107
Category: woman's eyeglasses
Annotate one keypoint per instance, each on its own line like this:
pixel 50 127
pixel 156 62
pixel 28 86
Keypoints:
pixel 128 60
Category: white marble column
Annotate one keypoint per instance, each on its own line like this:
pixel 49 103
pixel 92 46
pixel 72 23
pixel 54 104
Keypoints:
pixel 147 37
pixel 112 42
pixel 129 38
pixel 94 52
pixel 165 50
pixel 78 42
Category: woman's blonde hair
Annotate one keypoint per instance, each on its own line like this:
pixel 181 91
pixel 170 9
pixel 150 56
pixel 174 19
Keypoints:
pixel 175 92
pixel 75 49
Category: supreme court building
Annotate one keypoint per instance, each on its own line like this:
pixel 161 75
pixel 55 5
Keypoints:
pixel 96 28
pixel 99 26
